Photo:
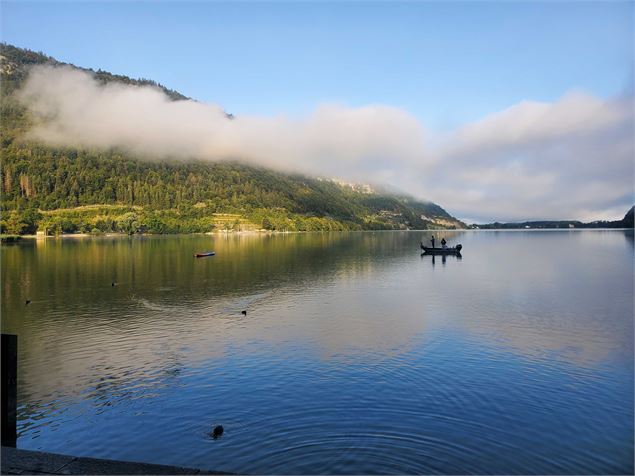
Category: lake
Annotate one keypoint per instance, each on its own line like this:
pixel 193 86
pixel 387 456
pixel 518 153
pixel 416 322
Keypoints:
pixel 357 354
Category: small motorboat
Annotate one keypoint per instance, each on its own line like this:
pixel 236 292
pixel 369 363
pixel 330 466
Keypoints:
pixel 204 254
pixel 442 251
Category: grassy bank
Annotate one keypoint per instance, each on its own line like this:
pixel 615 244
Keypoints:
pixel 10 238
pixel 99 219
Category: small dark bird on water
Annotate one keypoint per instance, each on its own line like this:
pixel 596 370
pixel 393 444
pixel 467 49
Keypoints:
pixel 244 313
pixel 113 283
pixel 28 301
pixel 218 430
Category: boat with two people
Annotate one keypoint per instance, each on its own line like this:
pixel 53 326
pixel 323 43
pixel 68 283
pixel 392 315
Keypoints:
pixel 445 250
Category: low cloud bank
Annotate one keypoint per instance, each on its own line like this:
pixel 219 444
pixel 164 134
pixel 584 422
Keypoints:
pixel 568 159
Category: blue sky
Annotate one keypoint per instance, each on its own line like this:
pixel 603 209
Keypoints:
pixel 446 63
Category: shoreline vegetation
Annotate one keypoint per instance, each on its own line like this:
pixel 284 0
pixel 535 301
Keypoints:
pixel 131 220
pixel 77 235
pixel 94 220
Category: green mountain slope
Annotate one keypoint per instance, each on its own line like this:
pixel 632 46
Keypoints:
pixel 76 189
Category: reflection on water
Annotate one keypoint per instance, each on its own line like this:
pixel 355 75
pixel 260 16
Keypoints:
pixel 444 258
pixel 355 356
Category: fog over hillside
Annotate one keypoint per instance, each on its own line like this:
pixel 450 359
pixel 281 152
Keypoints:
pixel 571 158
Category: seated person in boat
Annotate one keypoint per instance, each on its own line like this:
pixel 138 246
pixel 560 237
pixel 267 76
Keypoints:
pixel 444 243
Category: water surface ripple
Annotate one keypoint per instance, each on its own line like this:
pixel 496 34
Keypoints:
pixel 357 354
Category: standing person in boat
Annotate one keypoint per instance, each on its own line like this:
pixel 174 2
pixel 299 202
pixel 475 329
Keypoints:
pixel 443 243
pixel 432 240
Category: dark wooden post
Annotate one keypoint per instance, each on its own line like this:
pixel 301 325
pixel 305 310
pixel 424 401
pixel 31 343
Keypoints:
pixel 9 388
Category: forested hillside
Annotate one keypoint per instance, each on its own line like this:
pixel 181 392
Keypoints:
pixel 76 189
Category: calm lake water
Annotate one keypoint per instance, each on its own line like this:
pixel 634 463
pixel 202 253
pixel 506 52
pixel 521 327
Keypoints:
pixel 357 354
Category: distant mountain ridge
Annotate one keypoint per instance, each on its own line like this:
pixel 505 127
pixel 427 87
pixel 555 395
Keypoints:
pixel 67 189
pixel 626 222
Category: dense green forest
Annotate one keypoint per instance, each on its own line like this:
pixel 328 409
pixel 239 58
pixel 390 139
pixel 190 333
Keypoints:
pixel 66 190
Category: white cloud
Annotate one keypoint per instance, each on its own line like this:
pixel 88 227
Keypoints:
pixel 569 159
pixel 74 109
pixel 572 159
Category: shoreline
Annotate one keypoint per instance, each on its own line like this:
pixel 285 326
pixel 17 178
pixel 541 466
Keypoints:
pixel 275 232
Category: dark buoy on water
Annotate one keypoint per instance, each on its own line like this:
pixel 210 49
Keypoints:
pixel 244 313
pixel 218 430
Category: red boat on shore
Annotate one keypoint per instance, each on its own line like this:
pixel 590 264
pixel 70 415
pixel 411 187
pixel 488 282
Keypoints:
pixel 204 254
